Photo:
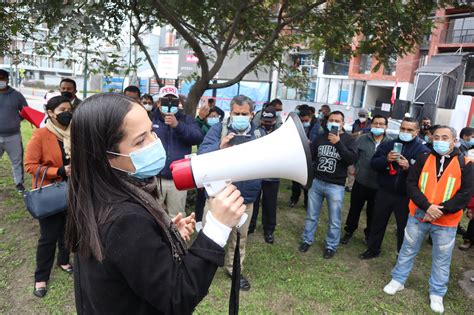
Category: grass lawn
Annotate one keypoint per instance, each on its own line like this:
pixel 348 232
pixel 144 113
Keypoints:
pixel 283 279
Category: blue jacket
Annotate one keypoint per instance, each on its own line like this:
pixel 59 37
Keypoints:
pixel 177 141
pixel 249 188
pixel 395 183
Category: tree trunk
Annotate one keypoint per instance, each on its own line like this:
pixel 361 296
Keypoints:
pixel 194 96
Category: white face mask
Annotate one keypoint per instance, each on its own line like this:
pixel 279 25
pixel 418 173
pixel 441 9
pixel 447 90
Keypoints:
pixel 148 107
pixel 3 85
pixel 362 119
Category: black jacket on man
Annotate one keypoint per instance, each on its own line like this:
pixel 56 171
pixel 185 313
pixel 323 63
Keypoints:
pixel 395 183
pixel 331 161
pixel 138 274
pixel 459 200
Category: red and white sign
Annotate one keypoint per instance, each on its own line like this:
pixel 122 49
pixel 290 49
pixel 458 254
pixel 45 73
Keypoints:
pixel 168 66
pixel 192 59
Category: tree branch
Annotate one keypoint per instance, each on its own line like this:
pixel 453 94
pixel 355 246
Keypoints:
pixel 222 53
pixel 275 34
pixel 171 18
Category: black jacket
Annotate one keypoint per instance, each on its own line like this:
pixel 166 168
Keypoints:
pixel 395 183
pixel 138 275
pixel 331 161
pixel 459 200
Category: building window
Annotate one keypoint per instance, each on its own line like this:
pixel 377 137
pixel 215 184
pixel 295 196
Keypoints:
pixel 337 65
pixel 423 60
pixel 460 31
pixel 365 65
pixel 390 66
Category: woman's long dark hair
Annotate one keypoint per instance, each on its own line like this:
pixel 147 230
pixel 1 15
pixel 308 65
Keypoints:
pixel 93 185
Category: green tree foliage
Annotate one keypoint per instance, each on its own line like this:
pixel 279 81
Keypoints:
pixel 216 29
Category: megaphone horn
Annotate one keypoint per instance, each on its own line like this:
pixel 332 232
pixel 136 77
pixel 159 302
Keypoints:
pixel 284 153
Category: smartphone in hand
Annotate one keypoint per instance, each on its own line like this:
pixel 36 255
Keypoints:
pixel 334 130
pixel 239 139
pixel 397 147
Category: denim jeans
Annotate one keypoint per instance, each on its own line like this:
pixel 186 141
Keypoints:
pixel 334 195
pixel 443 244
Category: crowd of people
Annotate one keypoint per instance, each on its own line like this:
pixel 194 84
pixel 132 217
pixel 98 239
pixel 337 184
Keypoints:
pixel 126 216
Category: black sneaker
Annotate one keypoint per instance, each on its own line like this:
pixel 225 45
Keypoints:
pixel 268 237
pixel 244 284
pixel 346 238
pixel 328 253
pixel 368 254
pixel 291 204
pixel 304 247
pixel 20 188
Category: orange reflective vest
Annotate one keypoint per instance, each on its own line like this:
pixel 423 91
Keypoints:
pixel 438 191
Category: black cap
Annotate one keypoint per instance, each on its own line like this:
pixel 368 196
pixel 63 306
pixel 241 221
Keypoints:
pixel 268 114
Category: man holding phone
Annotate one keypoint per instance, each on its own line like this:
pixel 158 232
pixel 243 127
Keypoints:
pixel 234 131
pixel 392 161
pixel 178 133
pixel 332 153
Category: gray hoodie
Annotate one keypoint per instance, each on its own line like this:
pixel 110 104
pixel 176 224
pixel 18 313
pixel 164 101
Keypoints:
pixel 11 103
pixel 365 175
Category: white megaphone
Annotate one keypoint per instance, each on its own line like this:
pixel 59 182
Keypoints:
pixel 284 153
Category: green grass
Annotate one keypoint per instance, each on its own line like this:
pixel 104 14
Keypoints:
pixel 284 281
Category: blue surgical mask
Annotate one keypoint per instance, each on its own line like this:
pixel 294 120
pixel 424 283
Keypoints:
pixel 441 147
pixel 377 131
pixel 169 109
pixel 211 121
pixel 278 114
pixel 333 124
pixel 306 124
pixel 471 142
pixel 3 85
pixel 427 139
pixel 148 161
pixel 405 136
pixel 320 115
pixel 240 123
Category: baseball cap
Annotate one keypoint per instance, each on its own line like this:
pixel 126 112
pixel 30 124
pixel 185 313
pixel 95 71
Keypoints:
pixel 168 91
pixel 363 112
pixel 268 114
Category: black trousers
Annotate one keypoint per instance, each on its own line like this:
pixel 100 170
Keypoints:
pixel 360 195
pixel 387 202
pixel 268 195
pixel 200 203
pixel 52 233
pixel 296 192
pixel 470 231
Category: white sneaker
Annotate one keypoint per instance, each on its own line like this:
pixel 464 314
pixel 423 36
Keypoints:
pixel 393 287
pixel 198 226
pixel 436 304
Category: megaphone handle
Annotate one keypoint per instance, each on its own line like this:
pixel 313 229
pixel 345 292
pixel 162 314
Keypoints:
pixel 215 187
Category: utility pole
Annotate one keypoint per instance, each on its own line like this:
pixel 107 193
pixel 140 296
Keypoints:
pixel 84 90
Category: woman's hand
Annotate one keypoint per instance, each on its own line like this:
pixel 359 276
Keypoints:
pixel 185 226
pixel 228 206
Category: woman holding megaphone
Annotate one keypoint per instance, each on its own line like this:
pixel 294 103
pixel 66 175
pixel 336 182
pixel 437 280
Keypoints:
pixel 131 258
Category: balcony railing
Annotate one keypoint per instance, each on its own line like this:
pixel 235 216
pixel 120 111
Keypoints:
pixel 462 36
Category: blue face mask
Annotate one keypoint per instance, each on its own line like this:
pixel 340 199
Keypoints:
pixel 148 161
pixel 306 124
pixel 211 121
pixel 240 123
pixel 278 114
pixel 169 109
pixel 427 139
pixel 320 115
pixel 441 147
pixel 471 142
pixel 377 131
pixel 330 125
pixel 405 136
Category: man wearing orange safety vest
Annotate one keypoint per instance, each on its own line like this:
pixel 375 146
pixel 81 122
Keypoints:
pixel 440 185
